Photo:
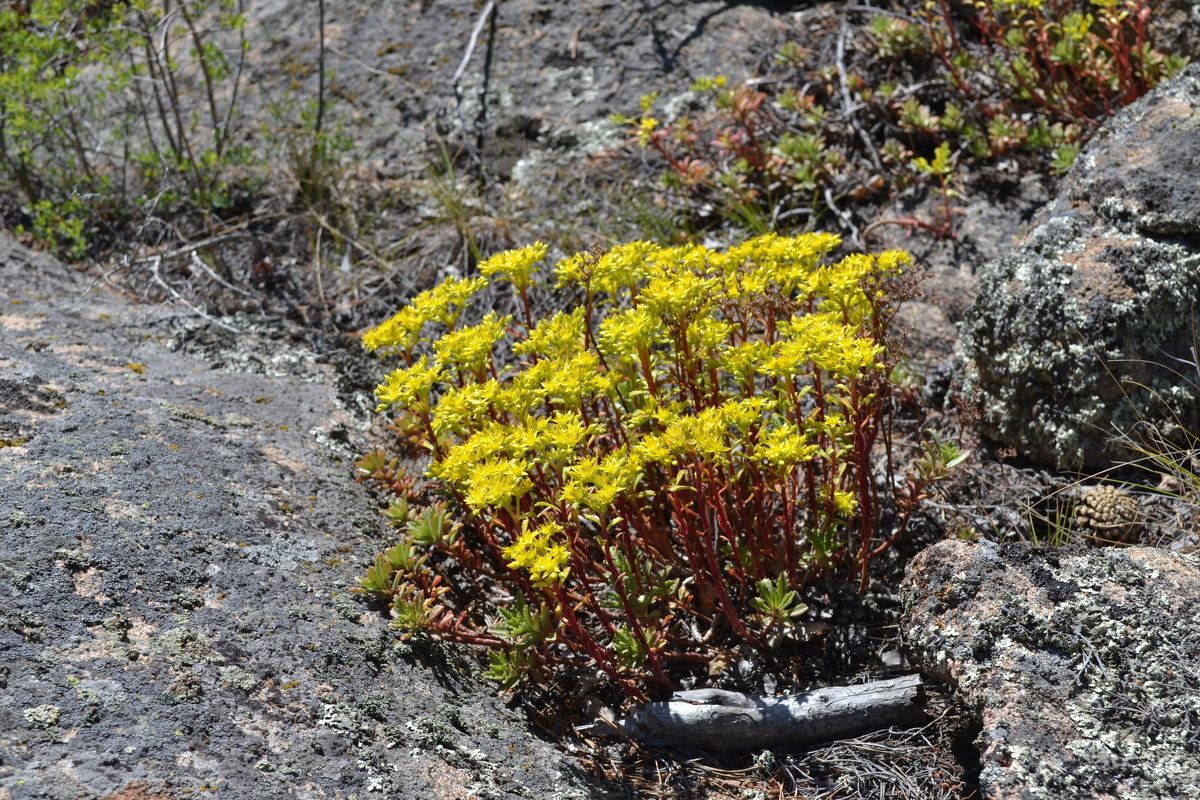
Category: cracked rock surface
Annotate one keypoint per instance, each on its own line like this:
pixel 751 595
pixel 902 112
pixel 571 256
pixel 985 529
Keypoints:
pixel 1082 664
pixel 179 530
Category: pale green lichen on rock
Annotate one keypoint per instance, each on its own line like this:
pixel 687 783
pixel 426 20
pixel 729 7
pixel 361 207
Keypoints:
pixel 1058 371
pixel 239 678
pixel 1097 663
pixel 43 716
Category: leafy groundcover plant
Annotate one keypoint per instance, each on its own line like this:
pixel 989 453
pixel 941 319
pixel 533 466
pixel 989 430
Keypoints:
pixel 654 474
pixel 1023 79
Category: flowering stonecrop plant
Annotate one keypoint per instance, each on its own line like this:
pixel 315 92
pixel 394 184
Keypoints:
pixel 653 474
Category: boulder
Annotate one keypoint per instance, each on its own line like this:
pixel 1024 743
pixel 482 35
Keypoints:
pixel 1086 330
pixel 1083 665
pixel 179 532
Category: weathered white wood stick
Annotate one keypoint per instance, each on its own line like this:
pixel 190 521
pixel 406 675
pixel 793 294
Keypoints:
pixel 714 719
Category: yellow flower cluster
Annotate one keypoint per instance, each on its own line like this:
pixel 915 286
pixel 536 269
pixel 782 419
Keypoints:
pixel 1009 5
pixel 594 483
pixel 840 286
pixel 470 348
pixel 409 387
pixel 465 408
pixel 560 336
pixel 703 435
pixel 515 265
pixel 628 333
pixel 645 129
pixel 821 340
pixel 561 383
pixel 540 552
pixel 670 362
pixel 622 267
pixel 443 303
pixel 785 447
pixel 497 484
pixel 676 293
pixel 752 267
pixel 473 465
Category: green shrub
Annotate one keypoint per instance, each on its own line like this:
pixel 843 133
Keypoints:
pixel 96 122
pixel 653 474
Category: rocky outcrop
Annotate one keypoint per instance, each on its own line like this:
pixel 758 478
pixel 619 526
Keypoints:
pixel 544 75
pixel 1083 665
pixel 1087 329
pixel 179 530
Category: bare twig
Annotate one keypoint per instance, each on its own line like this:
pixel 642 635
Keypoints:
pixel 199 263
pixel 462 65
pixel 155 264
pixel 847 104
pixel 243 49
pixel 846 220
pixel 320 78
pixel 487 12
pixel 235 233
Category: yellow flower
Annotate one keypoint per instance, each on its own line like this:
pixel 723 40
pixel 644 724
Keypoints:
pixel 785 447
pixel 628 333
pixel 645 129
pixel 821 340
pixel 706 336
pixel 893 262
pixel 744 360
pixel 851 356
pixel 657 448
pixel 678 294
pixel 622 267
pixel 471 348
pixel 461 409
pixel 702 435
pixel 461 460
pixel 445 302
pixel 654 413
pixel 576 269
pixel 400 333
pixel 565 434
pixel 595 484
pixel 685 258
pixel 560 336
pixel 834 425
pixel 516 265
pixel 409 387
pixel 553 440
pixel 746 413
pixel 784 261
pixel 845 503
pixel 497 483
pixel 536 551
pixel 847 286
pixel 570 382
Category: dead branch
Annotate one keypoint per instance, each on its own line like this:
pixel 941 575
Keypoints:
pixel 714 719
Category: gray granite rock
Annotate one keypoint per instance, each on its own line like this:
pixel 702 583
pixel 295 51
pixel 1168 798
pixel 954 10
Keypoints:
pixel 179 529
pixel 1086 329
pixel 1083 665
